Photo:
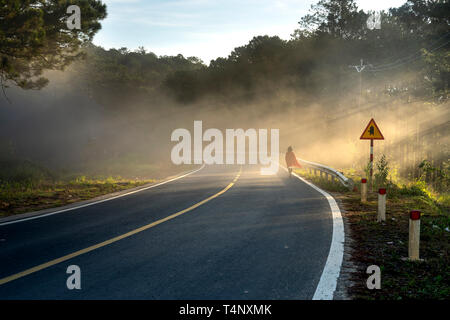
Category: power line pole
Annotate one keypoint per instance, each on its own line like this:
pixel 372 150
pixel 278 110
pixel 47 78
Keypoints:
pixel 360 68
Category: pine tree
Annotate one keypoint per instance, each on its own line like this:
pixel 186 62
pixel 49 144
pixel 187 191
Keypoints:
pixel 34 37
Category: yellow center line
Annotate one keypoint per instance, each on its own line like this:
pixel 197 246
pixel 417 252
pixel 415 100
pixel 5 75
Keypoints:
pixel 115 239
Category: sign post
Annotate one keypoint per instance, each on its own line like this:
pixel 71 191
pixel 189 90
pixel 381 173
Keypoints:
pixel 372 132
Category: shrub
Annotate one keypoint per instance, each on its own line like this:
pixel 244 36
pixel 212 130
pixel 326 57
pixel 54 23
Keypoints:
pixel 382 172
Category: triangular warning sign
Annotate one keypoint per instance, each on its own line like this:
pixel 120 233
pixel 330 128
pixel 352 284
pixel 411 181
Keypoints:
pixel 372 132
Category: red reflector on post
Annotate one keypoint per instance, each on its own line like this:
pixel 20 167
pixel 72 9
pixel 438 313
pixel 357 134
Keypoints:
pixel 382 191
pixel 414 215
pixel 363 180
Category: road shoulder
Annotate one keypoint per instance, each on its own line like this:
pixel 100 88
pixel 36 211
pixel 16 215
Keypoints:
pixel 345 280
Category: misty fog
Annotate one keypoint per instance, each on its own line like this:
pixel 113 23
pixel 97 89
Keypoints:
pixel 61 127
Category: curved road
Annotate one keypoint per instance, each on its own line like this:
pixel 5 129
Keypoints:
pixel 256 237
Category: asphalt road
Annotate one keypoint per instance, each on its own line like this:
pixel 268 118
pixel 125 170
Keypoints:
pixel 265 237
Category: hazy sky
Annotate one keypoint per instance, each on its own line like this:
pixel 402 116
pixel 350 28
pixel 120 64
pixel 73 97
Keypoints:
pixel 204 28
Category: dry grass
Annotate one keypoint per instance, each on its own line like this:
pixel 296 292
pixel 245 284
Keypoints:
pixel 23 197
pixel 386 244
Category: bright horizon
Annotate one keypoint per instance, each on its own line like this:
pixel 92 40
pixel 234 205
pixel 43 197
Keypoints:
pixel 207 29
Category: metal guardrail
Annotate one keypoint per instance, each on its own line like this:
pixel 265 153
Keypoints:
pixel 347 182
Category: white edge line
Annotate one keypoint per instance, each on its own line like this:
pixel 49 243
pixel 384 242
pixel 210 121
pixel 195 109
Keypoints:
pixel 103 200
pixel 330 274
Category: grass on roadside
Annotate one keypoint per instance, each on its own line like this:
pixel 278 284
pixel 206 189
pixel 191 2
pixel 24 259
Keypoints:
pixel 24 196
pixel 28 186
pixel 386 244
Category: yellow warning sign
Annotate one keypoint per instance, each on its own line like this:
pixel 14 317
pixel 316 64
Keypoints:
pixel 372 132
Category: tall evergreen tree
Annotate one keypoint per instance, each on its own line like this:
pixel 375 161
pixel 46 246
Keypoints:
pixel 34 37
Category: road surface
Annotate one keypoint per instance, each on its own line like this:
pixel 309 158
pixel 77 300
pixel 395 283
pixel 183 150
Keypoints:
pixel 236 234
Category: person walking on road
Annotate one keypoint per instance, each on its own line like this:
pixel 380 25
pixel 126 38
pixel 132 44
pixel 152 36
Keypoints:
pixel 291 160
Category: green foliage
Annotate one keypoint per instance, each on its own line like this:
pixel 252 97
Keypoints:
pixel 25 186
pixel 438 177
pixel 381 176
pixel 415 189
pixel 34 37
pixel 23 172
pixel 422 196
pixel 444 200
pixel 436 71
pixel 366 169
pixel 338 18
pixel 334 34
pixel 117 76
pixel 314 62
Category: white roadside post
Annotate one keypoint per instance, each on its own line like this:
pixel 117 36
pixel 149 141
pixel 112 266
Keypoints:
pixel 414 235
pixel 363 190
pixel 381 205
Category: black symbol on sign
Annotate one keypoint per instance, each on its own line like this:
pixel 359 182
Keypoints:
pixel 372 130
